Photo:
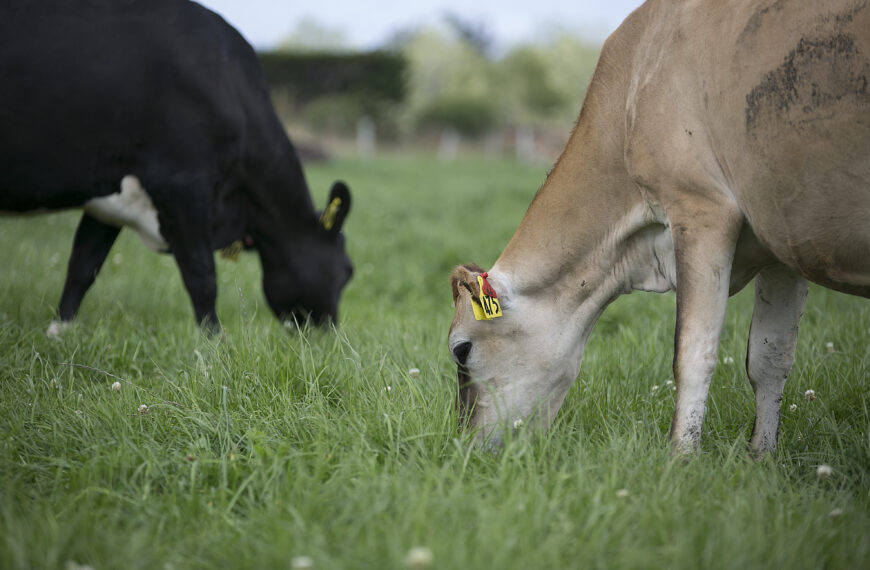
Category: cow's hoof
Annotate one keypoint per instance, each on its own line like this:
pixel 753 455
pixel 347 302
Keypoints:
pixel 56 328
pixel 211 327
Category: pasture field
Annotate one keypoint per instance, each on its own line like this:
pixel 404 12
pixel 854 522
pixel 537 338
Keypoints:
pixel 262 446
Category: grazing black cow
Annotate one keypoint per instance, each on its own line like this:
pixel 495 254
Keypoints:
pixel 155 114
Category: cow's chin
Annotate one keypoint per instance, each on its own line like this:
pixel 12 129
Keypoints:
pixel 489 428
pixel 490 415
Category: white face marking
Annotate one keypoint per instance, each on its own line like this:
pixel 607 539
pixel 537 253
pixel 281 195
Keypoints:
pixel 131 207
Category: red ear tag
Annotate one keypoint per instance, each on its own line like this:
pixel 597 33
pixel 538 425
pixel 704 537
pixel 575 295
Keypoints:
pixel 485 287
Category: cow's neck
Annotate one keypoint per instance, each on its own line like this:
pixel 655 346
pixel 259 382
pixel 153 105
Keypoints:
pixel 590 234
pixel 280 206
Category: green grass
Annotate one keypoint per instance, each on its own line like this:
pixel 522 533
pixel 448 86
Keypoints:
pixel 260 446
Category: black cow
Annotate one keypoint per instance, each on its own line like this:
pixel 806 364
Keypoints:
pixel 156 114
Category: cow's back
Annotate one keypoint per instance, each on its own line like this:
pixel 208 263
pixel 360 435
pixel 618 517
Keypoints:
pixel 770 102
pixel 91 91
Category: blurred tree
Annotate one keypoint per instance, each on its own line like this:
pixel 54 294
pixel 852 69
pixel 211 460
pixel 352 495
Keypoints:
pixel 544 82
pixel 475 34
pixel 332 92
pixel 468 116
pixel 442 72
pixel 310 35
pixel 442 76
pixel 530 88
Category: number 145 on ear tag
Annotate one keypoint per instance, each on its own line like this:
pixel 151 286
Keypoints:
pixel 489 306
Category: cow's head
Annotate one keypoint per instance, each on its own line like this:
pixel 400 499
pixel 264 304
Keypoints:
pixel 306 283
pixel 514 369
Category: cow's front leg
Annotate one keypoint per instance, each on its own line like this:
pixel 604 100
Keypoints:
pixel 780 296
pixel 704 243
pixel 198 273
pixel 91 245
pixel 186 225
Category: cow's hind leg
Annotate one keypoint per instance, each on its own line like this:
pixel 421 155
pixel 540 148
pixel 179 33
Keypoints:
pixel 91 245
pixel 780 296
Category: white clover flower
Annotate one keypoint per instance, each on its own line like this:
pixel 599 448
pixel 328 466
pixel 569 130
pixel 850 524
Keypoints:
pixel 55 383
pixel 301 563
pixel 835 513
pixel 388 389
pixel 418 557
pixel 414 372
pixel 116 386
pixel 829 346
pixel 655 388
pixel 518 423
pixel 792 408
pixel 79 413
pixel 810 395
pixel 143 409
pixel 824 471
pixel 728 360
pixel 669 383
pixel 622 493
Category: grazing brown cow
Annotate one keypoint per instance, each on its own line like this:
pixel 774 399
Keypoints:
pixel 718 142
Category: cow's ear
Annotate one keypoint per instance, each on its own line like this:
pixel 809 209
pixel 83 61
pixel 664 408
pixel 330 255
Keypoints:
pixel 464 277
pixel 337 208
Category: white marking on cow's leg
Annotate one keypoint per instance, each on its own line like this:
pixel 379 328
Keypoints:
pixel 780 296
pixel 130 207
pixel 56 328
pixel 704 249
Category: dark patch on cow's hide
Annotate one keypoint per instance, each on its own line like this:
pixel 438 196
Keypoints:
pixel 754 23
pixel 816 75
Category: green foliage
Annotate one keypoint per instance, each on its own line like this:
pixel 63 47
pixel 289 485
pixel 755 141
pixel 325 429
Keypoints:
pixel 369 77
pixel 262 444
pixel 334 114
pixel 330 93
pixel 430 79
pixel 441 68
pixel 539 84
pixel 529 76
pixel 309 35
pixel 469 116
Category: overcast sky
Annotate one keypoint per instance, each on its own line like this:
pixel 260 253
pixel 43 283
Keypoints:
pixel 368 23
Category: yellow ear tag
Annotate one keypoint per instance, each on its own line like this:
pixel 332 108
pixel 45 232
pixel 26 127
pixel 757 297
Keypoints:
pixel 327 218
pixel 488 307
pixel 233 250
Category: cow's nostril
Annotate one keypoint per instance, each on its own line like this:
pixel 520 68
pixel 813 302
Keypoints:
pixel 460 352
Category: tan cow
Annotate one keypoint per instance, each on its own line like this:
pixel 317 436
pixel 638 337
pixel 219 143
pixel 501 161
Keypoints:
pixel 718 142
